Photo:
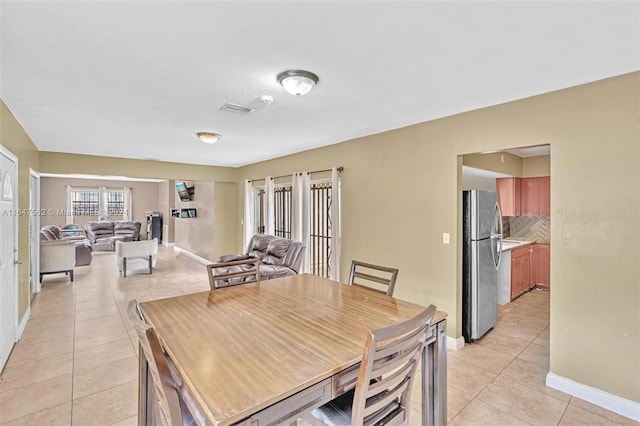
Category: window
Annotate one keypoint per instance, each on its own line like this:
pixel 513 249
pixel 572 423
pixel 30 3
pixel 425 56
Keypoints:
pixel 282 211
pixel 302 209
pixel 99 203
pixel 320 244
pixel 85 203
pixel 259 213
pixel 114 203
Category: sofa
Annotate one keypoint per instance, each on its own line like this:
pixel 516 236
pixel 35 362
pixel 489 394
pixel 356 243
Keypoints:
pixel 278 256
pixel 104 234
pixel 51 234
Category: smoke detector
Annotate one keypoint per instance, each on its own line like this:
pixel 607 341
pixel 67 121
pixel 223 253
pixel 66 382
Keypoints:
pixel 266 99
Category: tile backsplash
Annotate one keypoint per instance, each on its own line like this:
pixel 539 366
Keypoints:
pixel 534 228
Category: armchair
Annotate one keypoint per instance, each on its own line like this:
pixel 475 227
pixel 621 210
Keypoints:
pixel 136 251
pixel 278 256
pixel 57 257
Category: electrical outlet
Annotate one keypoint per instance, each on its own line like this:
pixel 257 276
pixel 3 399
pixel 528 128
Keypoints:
pixel 445 238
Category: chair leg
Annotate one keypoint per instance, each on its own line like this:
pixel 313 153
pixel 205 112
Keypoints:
pixel 41 275
pixel 71 275
pixel 150 267
pixel 124 267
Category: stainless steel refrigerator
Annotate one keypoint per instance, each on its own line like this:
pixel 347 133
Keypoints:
pixel 482 247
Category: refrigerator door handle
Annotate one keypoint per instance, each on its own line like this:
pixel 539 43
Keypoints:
pixel 497 234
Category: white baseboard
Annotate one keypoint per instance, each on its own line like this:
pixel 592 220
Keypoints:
pixel 23 323
pixel 455 344
pixel 192 256
pixel 606 400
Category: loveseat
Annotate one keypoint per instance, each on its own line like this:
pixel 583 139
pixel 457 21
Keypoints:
pixel 51 234
pixel 279 256
pixel 104 234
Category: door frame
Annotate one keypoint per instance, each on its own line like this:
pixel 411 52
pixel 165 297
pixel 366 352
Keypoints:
pixel 16 296
pixel 34 237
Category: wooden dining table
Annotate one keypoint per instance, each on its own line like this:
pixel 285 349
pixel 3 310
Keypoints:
pixel 266 353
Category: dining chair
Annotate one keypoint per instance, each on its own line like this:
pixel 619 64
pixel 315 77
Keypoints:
pixel 385 276
pixel 170 408
pixel 383 390
pixel 224 274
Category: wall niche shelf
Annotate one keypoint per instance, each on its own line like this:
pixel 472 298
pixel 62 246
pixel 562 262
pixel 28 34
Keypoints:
pixel 183 213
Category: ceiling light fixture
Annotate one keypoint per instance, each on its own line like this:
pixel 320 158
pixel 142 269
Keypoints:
pixel 298 82
pixel 208 138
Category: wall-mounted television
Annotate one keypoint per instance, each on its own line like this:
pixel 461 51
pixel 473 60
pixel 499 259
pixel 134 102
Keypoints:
pixel 183 192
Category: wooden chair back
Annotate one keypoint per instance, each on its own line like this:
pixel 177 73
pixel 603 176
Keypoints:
pixel 224 274
pixel 168 410
pixel 367 273
pixel 389 363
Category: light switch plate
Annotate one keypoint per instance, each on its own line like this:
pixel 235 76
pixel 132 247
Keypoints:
pixel 445 238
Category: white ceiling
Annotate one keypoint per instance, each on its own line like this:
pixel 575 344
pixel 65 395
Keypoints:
pixel 139 79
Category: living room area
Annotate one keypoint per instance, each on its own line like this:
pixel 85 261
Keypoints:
pixel 95 211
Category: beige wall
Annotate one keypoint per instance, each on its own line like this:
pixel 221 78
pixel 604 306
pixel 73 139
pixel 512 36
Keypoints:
pixel 214 231
pixel 536 166
pixel 499 162
pixel 504 162
pixel 13 138
pixel 166 201
pixel 401 191
pixel 225 216
pixel 195 235
pixel 61 163
pixel 53 198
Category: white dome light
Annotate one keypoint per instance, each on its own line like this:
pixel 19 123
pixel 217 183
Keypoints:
pixel 208 138
pixel 298 82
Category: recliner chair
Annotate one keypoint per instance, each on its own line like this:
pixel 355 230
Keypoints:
pixel 278 256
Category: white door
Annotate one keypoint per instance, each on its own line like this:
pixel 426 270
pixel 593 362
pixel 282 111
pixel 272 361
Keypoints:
pixel 34 231
pixel 8 252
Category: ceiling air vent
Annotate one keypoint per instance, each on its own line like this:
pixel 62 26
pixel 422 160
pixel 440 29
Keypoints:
pixel 238 109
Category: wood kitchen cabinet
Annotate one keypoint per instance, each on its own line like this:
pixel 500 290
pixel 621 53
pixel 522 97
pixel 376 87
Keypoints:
pixel 509 195
pixel 521 279
pixel 540 266
pixel 535 197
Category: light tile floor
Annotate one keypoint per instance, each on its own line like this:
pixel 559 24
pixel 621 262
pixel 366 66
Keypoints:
pixel 77 360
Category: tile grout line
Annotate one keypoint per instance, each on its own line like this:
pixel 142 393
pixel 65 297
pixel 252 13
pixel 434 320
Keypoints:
pixel 501 371
pixel 73 358
pixel 564 411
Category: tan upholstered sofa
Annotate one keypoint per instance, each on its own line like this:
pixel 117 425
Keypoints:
pixel 51 234
pixel 104 234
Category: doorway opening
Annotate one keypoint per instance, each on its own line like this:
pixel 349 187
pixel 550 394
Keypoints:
pixel 521 180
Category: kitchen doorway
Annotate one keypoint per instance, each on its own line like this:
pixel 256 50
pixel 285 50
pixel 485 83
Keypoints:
pixel 521 177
